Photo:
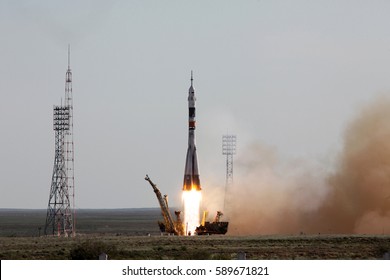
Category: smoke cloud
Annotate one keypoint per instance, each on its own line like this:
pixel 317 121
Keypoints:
pixel 274 197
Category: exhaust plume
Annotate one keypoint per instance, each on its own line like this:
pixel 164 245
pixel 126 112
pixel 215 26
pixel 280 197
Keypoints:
pixel 271 197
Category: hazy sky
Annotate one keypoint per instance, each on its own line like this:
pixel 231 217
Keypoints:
pixel 288 74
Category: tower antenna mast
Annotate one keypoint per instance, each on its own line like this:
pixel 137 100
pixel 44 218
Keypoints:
pixel 59 218
pixel 69 139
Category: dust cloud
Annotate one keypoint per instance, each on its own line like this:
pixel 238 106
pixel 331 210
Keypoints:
pixel 273 197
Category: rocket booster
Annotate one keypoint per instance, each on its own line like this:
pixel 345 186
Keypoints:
pixel 191 172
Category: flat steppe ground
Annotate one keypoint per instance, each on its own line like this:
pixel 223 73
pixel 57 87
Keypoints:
pixel 133 234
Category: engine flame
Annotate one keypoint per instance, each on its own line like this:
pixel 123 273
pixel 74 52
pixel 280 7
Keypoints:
pixel 191 203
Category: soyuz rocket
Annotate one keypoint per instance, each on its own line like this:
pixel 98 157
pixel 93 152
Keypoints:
pixel 191 172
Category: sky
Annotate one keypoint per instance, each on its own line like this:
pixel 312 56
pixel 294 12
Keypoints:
pixel 287 74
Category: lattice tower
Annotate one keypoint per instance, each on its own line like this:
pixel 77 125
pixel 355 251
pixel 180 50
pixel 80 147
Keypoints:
pixel 229 149
pixel 60 219
pixel 69 144
pixel 59 214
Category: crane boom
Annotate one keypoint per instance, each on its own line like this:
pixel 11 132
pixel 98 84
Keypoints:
pixel 169 224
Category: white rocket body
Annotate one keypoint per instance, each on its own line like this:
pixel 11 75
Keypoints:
pixel 191 172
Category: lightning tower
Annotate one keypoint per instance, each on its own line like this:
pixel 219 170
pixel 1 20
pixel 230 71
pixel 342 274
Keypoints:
pixel 228 150
pixel 59 217
pixel 69 139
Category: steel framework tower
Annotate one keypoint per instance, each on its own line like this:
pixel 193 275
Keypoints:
pixel 69 144
pixel 59 220
pixel 229 149
pixel 59 215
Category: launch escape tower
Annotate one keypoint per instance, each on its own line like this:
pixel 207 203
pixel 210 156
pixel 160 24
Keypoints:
pixel 59 218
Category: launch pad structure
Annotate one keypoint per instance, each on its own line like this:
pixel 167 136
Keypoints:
pixel 60 216
pixel 191 191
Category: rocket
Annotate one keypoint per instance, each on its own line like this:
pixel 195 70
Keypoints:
pixel 191 172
